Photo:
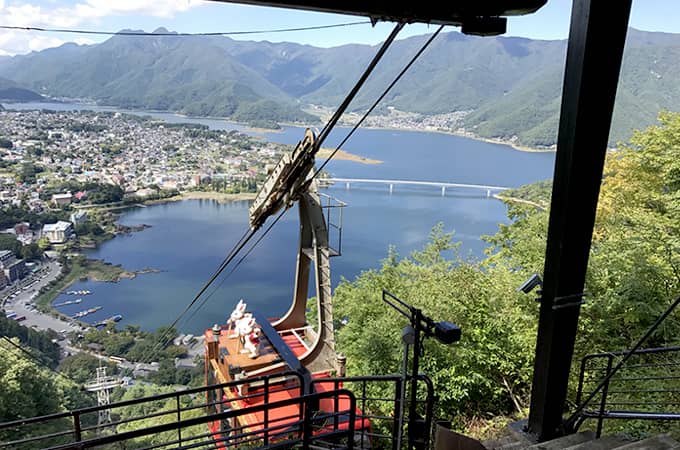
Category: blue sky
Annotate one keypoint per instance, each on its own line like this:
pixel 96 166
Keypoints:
pixel 551 22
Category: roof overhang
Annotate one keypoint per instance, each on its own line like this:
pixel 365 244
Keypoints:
pixel 474 16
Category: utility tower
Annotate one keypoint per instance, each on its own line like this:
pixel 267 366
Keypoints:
pixel 102 386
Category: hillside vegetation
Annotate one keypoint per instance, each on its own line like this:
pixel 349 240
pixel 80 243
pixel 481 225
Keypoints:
pixel 633 276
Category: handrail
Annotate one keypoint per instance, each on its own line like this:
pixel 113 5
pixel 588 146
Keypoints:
pixel 363 398
pixel 370 415
pixel 305 422
pixel 91 409
pixel 574 417
pixel 77 429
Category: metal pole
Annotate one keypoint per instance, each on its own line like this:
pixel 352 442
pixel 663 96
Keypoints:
pixel 603 400
pixel 402 398
pixel 596 40
pixel 412 410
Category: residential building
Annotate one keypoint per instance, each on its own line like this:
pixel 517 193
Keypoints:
pixel 78 217
pixel 6 256
pixel 3 279
pixel 57 233
pixel 15 270
pixel 22 228
pixel 62 199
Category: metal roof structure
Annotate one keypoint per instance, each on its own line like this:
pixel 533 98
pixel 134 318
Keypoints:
pixel 475 17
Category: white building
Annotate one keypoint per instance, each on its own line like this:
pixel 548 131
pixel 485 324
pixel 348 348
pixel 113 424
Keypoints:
pixel 57 233
pixel 62 199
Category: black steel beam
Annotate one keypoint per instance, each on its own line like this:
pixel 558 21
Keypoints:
pixel 437 11
pixel 596 41
pixel 283 350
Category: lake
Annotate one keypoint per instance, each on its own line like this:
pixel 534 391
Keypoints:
pixel 187 240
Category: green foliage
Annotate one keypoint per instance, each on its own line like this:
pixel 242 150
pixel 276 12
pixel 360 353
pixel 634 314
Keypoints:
pixel 148 414
pixel 168 374
pixel 633 275
pixel 27 172
pixel 11 215
pixel 265 124
pixel 40 341
pixel 97 193
pixel 81 367
pixel 27 390
pixel 136 345
pixel 89 227
pixel 477 376
pixel 635 263
pixel 10 242
pixel 31 252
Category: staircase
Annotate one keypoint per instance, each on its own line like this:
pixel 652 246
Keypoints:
pixel 584 440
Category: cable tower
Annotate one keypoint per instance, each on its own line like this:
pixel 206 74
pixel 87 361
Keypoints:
pixel 102 386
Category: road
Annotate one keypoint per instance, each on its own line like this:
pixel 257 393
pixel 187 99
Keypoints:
pixel 26 291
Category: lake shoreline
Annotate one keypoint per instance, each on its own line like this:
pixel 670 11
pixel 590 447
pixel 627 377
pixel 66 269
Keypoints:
pixel 220 197
pixel 262 131
pixel 514 146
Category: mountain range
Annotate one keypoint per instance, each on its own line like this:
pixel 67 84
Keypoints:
pixel 509 86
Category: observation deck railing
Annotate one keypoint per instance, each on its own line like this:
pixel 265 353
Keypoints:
pixel 252 415
pixel 637 384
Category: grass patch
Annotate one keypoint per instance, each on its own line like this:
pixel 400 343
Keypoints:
pixel 77 268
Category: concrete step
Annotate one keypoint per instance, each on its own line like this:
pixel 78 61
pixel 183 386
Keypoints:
pixel 493 444
pixel 604 443
pixel 564 441
pixel 660 442
pixel 513 446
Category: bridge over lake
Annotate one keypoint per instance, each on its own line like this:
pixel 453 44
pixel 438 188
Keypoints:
pixel 437 184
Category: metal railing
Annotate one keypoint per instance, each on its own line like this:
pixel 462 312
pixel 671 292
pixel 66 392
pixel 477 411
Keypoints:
pixel 176 411
pixel 381 404
pixel 645 389
pixel 267 412
pixel 333 221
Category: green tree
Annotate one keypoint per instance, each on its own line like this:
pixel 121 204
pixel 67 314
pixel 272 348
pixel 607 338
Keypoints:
pixel 31 252
pixel 82 367
pixel 28 390
pixel 488 371
pixel 10 242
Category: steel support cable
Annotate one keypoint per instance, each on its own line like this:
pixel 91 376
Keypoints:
pixel 215 33
pixel 322 136
pixel 569 423
pixel 164 339
pixel 352 93
pixel 238 263
pixel 375 104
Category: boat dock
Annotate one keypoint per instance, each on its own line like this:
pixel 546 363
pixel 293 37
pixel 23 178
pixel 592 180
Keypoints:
pixel 69 302
pixel 87 312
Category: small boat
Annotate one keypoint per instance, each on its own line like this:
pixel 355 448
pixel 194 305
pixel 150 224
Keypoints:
pixel 112 319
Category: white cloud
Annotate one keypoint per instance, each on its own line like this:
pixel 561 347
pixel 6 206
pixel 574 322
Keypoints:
pixel 84 41
pixel 155 8
pixel 19 42
pixel 85 12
